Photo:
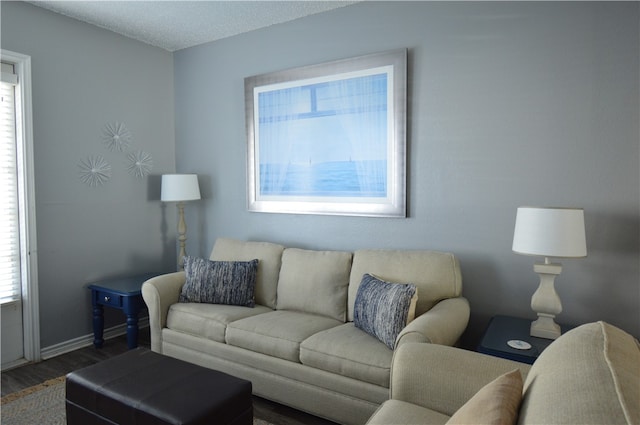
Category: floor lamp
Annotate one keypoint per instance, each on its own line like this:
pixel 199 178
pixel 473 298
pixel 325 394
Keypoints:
pixel 548 232
pixel 180 188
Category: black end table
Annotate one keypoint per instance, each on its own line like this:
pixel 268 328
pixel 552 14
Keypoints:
pixel 502 329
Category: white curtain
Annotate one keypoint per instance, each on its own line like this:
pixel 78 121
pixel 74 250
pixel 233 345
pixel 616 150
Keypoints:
pixel 275 112
pixel 362 111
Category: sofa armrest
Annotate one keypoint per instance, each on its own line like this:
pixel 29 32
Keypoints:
pixel 443 378
pixel 443 324
pixel 159 293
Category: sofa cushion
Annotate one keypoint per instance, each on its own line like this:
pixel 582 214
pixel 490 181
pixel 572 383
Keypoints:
pixel 208 320
pixel 219 282
pixel 348 351
pixel 314 282
pixel 382 308
pixel 278 333
pixel 435 274
pixel 269 256
pixel 401 412
pixel 598 365
pixel 496 403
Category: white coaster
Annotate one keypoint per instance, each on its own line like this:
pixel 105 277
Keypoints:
pixel 518 344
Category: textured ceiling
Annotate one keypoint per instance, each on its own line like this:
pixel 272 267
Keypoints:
pixel 174 25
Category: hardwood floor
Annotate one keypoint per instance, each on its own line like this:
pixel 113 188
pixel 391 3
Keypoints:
pixel 35 373
pixel 32 374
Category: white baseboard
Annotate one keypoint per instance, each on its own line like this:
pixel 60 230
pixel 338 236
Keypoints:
pixel 14 364
pixel 87 340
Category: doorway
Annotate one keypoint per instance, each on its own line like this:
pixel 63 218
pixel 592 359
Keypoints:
pixel 20 337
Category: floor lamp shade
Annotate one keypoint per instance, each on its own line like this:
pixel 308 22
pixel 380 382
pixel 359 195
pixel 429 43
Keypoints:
pixel 548 232
pixel 180 188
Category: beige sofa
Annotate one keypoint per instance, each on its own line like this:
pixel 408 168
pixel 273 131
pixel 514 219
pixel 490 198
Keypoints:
pixel 298 345
pixel 590 375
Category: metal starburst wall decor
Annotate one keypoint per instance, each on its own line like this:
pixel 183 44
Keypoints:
pixel 139 163
pixel 116 136
pixel 94 170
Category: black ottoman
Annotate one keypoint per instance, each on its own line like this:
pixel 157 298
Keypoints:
pixel 143 387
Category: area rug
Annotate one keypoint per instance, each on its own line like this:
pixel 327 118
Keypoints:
pixel 43 404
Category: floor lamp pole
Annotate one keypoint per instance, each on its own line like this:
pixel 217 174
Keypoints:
pixel 182 235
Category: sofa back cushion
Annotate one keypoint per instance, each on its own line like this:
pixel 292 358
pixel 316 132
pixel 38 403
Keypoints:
pixel 269 257
pixel 314 282
pixel 587 376
pixel 435 274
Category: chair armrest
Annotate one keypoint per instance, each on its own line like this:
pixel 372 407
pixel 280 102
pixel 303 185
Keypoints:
pixel 159 293
pixel 443 324
pixel 443 378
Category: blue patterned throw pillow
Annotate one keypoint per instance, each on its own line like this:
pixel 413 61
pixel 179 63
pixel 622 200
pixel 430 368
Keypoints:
pixel 382 308
pixel 219 282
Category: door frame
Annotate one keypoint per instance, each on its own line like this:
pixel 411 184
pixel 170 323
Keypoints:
pixel 26 182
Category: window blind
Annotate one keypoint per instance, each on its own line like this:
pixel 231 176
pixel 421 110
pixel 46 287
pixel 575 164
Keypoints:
pixel 10 281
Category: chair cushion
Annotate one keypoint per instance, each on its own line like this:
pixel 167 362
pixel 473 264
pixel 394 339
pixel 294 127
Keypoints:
pixel 348 351
pixel 401 413
pixel 598 365
pixel 382 308
pixel 208 320
pixel 219 282
pixel 314 282
pixel 278 333
pixel 270 259
pixel 496 403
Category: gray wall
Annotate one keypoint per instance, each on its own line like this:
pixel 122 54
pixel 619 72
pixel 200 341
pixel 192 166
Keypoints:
pixel 83 78
pixel 509 104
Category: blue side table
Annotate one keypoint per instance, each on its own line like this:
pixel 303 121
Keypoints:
pixel 502 329
pixel 121 293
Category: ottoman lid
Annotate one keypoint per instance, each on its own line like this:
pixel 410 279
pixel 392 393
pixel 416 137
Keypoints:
pixel 144 387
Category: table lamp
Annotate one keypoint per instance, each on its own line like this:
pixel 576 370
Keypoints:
pixel 180 188
pixel 548 232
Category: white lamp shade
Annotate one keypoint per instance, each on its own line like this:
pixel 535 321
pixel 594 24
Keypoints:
pixel 550 232
pixel 180 188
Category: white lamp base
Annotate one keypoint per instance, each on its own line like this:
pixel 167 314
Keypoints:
pixel 545 327
pixel 546 302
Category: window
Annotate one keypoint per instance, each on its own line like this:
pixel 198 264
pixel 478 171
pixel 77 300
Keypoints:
pixel 10 282
pixel 18 260
pixel 325 139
